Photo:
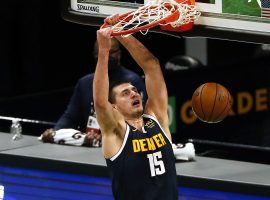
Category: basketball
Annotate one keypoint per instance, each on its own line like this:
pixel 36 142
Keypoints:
pixel 211 102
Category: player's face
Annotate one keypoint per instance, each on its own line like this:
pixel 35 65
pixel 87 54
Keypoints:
pixel 128 100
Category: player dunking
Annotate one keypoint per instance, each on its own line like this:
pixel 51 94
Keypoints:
pixel 136 141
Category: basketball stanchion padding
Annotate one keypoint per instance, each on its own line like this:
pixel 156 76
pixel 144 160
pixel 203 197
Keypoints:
pixel 211 102
pixel 168 14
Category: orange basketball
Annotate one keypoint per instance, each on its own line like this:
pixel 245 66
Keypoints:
pixel 211 102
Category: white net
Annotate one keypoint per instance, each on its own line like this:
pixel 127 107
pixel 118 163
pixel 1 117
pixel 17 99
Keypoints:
pixel 155 12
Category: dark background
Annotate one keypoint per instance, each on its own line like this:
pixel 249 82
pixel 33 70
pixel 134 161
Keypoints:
pixel 42 56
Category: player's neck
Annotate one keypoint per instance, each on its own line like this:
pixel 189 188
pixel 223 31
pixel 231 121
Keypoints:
pixel 136 122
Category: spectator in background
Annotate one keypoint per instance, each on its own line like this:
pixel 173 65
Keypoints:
pixel 80 114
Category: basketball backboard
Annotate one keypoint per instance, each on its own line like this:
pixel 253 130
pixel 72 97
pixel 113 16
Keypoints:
pixel 242 20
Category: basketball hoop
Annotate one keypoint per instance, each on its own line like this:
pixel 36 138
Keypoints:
pixel 169 14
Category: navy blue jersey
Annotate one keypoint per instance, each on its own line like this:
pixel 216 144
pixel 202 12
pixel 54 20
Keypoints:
pixel 144 167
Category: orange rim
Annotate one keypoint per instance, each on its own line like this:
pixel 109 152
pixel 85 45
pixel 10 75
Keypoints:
pixel 167 19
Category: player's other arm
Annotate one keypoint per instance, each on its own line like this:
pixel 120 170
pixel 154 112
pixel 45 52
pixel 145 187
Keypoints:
pixel 155 84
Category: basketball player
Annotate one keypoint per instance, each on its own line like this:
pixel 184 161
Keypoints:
pixel 136 142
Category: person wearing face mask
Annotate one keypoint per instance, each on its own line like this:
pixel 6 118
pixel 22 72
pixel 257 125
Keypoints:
pixel 80 114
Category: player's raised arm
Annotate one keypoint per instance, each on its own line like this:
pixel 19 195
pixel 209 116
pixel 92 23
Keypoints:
pixel 101 81
pixel 104 110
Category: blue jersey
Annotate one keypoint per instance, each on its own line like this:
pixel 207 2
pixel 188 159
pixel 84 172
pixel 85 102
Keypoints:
pixel 144 167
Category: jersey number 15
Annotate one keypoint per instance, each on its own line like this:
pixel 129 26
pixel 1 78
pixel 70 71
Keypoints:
pixel 156 163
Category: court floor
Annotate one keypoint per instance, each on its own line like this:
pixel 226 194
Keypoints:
pixel 21 183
